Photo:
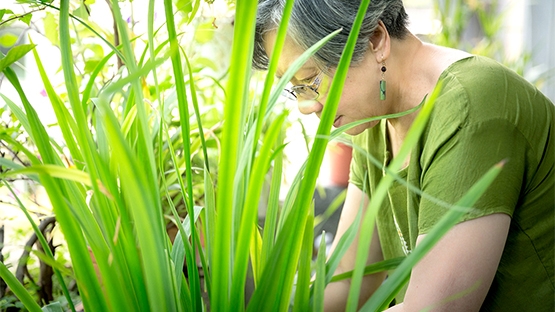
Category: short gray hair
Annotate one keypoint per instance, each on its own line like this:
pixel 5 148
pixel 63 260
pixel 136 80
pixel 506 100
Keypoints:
pixel 312 20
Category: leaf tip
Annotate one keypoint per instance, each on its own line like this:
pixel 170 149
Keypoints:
pixel 502 163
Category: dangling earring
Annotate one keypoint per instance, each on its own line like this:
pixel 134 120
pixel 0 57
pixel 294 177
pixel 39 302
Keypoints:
pixel 382 82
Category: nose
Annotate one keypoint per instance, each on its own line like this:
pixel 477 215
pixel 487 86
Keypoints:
pixel 309 107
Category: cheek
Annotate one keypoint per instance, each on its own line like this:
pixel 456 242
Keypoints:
pixel 356 99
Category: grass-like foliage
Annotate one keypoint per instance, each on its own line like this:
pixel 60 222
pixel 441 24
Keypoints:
pixel 133 169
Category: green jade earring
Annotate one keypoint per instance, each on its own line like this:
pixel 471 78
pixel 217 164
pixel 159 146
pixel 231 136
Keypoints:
pixel 382 82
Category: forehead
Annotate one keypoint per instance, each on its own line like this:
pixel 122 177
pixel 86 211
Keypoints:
pixel 290 52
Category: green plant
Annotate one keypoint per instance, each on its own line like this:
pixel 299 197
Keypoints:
pixel 110 203
pixel 482 21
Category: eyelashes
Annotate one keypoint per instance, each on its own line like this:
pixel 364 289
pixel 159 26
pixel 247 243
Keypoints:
pixel 308 80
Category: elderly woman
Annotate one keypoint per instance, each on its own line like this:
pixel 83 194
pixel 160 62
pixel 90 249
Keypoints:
pixel 500 257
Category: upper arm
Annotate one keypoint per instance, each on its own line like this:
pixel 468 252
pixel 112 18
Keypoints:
pixel 457 273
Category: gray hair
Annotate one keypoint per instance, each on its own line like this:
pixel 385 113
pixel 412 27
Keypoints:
pixel 312 20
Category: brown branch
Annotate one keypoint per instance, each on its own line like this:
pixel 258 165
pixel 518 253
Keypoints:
pixel 15 156
pixel 21 271
pixel 14 17
pixel 116 33
pixel 3 285
pixel 46 272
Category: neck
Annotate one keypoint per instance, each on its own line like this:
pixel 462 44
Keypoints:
pixel 410 80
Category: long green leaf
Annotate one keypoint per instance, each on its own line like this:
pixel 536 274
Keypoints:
pixel 210 227
pixel 44 245
pixel 302 291
pixel 18 289
pixel 146 214
pixel 288 247
pixel 248 222
pixel 233 113
pixel 395 282
pixel 186 134
pixel 320 281
pixel 386 265
pixel 66 123
pixel 56 191
pixel 54 171
pixel 379 195
pixel 272 211
pixel 14 54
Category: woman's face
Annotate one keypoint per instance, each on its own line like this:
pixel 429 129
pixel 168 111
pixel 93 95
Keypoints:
pixel 360 98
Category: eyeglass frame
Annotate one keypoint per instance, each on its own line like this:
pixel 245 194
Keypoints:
pixel 290 93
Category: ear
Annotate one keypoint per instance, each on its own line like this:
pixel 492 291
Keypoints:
pixel 380 43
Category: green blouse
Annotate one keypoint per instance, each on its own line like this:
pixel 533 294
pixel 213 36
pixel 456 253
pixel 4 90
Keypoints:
pixel 486 113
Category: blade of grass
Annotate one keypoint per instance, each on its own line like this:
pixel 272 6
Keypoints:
pixel 272 68
pixel 379 195
pixel 91 293
pixel 186 134
pixel 210 227
pixel 333 206
pixel 233 112
pixel 179 246
pixel 248 222
pixel 255 252
pixel 288 246
pixel 302 290
pixel 344 242
pixel 271 218
pixel 386 265
pixel 14 54
pixel 319 282
pixel 146 214
pixel 115 220
pixel 45 247
pixel 34 126
pixel 97 243
pixel 401 275
pixel 56 172
pixel 57 190
pixel 18 289
pixel 66 123
pixel 197 112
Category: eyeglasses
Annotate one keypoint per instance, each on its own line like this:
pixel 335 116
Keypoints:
pixel 303 91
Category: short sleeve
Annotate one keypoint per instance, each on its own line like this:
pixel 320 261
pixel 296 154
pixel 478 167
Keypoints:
pixel 459 162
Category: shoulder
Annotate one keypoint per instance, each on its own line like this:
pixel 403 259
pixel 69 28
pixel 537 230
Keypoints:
pixel 476 91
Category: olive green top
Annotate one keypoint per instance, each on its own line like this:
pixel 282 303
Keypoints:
pixel 485 114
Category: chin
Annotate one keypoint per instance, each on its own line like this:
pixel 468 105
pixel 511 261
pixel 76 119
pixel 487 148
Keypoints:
pixel 361 128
